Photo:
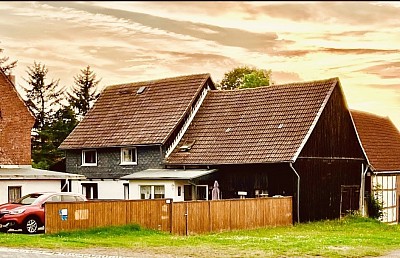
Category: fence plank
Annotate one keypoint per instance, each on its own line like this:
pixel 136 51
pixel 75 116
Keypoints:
pixel 182 218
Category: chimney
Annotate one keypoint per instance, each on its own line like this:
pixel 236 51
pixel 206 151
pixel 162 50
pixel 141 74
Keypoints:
pixel 11 78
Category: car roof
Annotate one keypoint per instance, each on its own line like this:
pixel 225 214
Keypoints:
pixel 60 193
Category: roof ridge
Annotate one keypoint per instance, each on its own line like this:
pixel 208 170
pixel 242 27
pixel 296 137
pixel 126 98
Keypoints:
pixel 333 79
pixel 158 80
pixel 368 113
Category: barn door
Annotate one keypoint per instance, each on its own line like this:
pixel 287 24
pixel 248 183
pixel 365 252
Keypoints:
pixel 349 199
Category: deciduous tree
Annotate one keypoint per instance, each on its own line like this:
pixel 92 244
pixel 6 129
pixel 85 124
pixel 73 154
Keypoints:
pixel 245 77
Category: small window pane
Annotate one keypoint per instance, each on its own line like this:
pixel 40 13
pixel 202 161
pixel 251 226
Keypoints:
pixel 89 157
pixel 14 193
pixel 159 192
pixel 128 155
pixel 145 192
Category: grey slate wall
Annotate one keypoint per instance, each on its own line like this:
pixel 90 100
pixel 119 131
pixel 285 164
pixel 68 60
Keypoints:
pixel 108 162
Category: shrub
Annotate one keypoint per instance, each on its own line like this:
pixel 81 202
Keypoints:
pixel 375 207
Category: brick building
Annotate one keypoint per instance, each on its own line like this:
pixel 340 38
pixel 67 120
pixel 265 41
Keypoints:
pixel 17 177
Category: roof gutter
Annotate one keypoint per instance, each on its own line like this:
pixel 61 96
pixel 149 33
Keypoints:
pixel 386 172
pixel 298 192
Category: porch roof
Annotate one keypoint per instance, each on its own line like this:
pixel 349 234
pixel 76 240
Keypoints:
pixel 169 174
pixel 29 173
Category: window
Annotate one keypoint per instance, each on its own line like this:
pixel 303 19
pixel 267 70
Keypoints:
pixel 90 190
pixel 128 156
pixel 152 191
pixel 179 190
pixel 68 198
pixel 159 192
pixel 55 198
pixel 14 193
pixel 126 191
pixel 89 158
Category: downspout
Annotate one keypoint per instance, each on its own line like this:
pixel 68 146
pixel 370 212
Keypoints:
pixel 362 199
pixel 298 191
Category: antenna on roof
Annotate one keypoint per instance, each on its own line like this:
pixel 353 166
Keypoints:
pixel 141 89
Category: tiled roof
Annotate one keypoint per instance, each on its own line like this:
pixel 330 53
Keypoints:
pixel 122 117
pixel 261 125
pixel 380 139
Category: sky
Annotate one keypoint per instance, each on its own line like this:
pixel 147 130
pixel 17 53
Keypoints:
pixel 131 41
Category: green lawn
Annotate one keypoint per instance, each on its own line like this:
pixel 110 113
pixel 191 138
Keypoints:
pixel 349 237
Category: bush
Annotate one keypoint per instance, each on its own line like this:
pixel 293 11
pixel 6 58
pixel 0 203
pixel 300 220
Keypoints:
pixel 375 207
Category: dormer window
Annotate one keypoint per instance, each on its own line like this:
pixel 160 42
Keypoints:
pixel 128 156
pixel 89 158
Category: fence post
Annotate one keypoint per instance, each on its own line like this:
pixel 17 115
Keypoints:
pixel 187 219
pixel 171 203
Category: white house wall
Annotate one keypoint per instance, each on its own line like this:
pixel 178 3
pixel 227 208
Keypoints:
pixel 170 186
pixel 107 189
pixel 28 186
pixel 385 189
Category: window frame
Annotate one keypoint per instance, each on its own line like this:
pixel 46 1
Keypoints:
pixel 84 156
pixel 12 190
pixel 152 194
pixel 134 156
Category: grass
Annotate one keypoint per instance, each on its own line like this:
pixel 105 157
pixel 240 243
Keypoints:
pixel 349 237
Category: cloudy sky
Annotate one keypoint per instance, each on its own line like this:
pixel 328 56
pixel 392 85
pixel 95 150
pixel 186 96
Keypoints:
pixel 135 41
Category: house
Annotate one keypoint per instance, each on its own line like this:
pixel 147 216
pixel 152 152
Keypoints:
pixel 380 140
pixel 130 129
pixel 295 139
pixel 173 138
pixel 17 177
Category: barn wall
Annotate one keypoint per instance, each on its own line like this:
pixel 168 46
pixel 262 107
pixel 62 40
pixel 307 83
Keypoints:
pixel 334 135
pixel 320 186
pixel 274 179
pixel 331 157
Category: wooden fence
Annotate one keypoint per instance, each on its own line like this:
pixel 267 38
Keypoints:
pixel 183 218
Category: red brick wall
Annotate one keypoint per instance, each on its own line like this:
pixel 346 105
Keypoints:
pixel 15 126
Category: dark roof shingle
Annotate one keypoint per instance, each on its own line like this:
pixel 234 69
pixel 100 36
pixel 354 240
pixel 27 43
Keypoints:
pixel 261 125
pixel 380 139
pixel 122 117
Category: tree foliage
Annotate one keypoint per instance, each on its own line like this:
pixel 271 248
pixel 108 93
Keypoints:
pixel 5 65
pixel 84 92
pixel 43 98
pixel 45 152
pixel 245 77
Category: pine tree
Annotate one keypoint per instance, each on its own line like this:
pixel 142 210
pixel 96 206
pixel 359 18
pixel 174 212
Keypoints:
pixel 84 92
pixel 43 98
pixel 5 65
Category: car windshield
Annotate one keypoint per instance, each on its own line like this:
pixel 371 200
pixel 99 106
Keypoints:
pixel 29 199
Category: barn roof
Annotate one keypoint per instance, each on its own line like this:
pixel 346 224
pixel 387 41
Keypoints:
pixel 380 140
pixel 136 113
pixel 262 125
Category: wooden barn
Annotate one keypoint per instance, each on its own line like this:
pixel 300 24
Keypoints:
pixel 295 140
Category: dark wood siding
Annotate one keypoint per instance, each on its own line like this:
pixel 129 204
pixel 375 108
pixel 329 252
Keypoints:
pixel 320 186
pixel 332 157
pixel 334 135
pixel 277 179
